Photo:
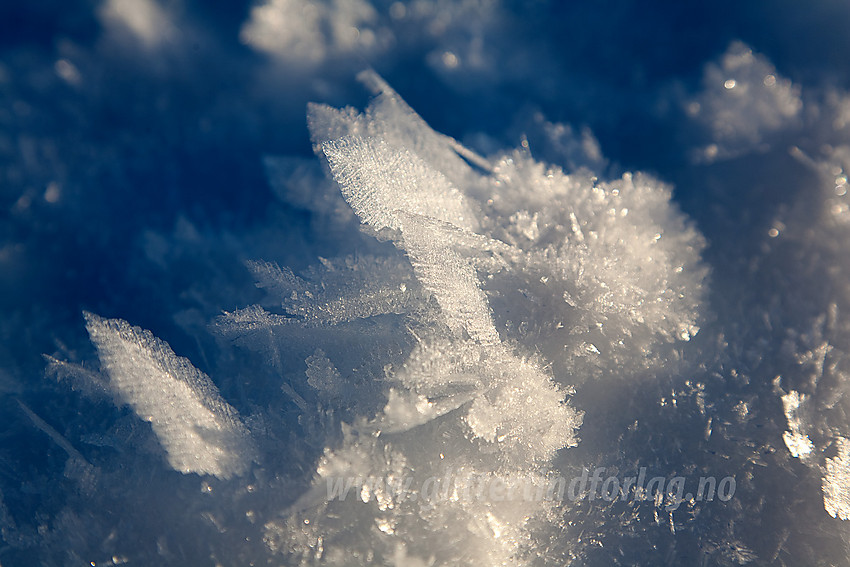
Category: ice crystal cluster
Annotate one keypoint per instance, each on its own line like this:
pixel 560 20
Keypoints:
pixel 507 282
pixel 355 340
pixel 515 280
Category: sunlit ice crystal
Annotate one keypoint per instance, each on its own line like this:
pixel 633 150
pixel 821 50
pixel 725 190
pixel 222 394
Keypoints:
pixel 200 432
pixel 525 280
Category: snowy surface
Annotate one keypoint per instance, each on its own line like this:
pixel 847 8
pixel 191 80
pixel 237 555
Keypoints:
pixel 299 282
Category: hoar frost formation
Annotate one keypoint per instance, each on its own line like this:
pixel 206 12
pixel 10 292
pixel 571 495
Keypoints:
pixel 451 351
pixel 490 317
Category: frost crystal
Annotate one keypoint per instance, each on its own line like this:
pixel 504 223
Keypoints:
pixel 511 283
pixel 199 431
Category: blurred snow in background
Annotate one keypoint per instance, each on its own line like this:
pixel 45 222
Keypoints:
pixel 743 104
pixel 559 237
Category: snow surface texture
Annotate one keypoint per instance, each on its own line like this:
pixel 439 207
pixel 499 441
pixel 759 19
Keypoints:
pixel 413 308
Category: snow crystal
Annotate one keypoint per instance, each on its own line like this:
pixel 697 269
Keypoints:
pixel 390 118
pixel 378 179
pixel 341 289
pixel 249 320
pixel 199 431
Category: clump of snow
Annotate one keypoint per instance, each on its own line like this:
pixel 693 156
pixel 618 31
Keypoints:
pixel 146 20
pixel 743 104
pixel 200 432
pixel 305 33
pixel 603 272
pixel 836 494
pixel 798 443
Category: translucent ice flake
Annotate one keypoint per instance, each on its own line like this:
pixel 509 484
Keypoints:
pixel 199 431
pixel 342 289
pixel 248 321
pixel 378 178
pixel 389 188
pixel 389 118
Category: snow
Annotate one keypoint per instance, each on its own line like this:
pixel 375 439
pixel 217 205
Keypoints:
pixel 145 19
pixel 527 254
pixel 836 500
pixel 798 443
pixel 458 373
pixel 199 431
pixel 456 226
pixel 744 103
pixel 306 33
